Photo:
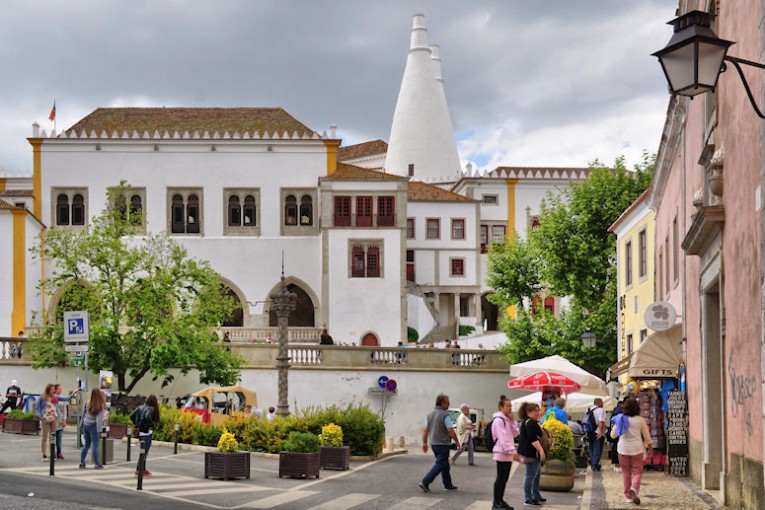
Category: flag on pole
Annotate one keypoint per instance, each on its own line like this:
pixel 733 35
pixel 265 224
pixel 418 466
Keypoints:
pixel 52 115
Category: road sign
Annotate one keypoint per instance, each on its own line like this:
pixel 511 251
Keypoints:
pixel 76 361
pixel 77 326
pixel 76 348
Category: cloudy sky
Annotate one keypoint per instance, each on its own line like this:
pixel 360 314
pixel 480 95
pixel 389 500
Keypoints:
pixel 553 83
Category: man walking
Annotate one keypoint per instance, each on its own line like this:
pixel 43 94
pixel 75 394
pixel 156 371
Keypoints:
pixel 596 435
pixel 438 431
pixel 465 428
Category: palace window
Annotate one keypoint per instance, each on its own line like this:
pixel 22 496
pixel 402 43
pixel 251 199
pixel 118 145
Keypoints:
pixel 185 210
pixel 290 210
pixel 366 260
pixel 490 199
pixel 458 228
pixel 306 210
pixel 363 211
pixel 70 206
pixel 433 228
pixel 498 233
pixel 457 267
pixel 129 203
pixel 342 211
pixel 298 214
pixel 241 211
pixel 410 228
pixel 386 211
pixel 484 237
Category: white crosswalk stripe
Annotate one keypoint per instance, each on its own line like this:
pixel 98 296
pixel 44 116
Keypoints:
pixel 416 503
pixel 278 499
pixel 480 505
pixel 345 502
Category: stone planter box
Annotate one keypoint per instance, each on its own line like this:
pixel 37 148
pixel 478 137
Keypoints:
pixel 227 465
pixel 335 457
pixel 557 476
pixel 118 430
pixel 21 426
pixel 299 465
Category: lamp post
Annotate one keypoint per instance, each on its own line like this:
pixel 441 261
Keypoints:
pixel 589 339
pixel 283 304
pixel 694 57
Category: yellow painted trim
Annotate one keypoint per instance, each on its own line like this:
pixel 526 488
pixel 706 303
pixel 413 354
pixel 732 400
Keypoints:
pixel 37 175
pixel 3 181
pixel 511 209
pixel 332 146
pixel 19 312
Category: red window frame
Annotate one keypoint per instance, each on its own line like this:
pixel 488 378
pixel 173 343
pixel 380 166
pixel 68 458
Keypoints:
pixel 364 211
pixel 373 262
pixel 437 223
pixel 342 211
pixel 386 211
pixel 358 262
pixel 458 267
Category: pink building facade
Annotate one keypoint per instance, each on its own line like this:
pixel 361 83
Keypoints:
pixel 707 194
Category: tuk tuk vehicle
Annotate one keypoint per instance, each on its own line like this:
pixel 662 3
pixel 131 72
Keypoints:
pixel 215 404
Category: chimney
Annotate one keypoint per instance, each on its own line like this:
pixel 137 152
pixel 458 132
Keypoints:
pixel 35 130
pixel 333 131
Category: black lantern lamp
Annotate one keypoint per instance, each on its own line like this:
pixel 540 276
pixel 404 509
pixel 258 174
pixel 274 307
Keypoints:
pixel 694 57
pixel 589 339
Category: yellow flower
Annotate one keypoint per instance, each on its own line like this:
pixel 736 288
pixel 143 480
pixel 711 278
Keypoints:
pixel 331 435
pixel 227 442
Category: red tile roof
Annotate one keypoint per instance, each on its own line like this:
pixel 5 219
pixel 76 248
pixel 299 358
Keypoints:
pixel 356 173
pixel 421 192
pixel 242 120
pixel 361 150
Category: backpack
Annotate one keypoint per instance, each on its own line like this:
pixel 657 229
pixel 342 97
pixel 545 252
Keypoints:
pixel 588 421
pixel 488 437
pixel 138 419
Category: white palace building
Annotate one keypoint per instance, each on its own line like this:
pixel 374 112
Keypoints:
pixel 375 237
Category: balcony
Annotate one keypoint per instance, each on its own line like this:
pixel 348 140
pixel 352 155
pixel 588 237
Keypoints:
pixel 363 221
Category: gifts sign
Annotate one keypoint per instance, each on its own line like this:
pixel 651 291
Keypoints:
pixel 677 433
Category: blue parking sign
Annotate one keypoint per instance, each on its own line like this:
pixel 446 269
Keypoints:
pixel 76 326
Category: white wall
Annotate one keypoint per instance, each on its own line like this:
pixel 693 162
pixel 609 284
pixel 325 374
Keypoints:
pixel 6 273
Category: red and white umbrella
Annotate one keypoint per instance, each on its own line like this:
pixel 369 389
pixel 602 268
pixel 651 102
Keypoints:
pixel 540 381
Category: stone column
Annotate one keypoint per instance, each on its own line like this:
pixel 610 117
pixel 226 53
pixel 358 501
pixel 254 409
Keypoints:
pixel 283 304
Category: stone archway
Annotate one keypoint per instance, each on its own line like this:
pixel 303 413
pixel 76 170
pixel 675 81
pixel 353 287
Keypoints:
pixel 370 340
pixel 306 312
pixel 240 316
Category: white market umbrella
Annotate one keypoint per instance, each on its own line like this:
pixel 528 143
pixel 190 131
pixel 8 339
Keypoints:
pixel 590 384
pixel 575 402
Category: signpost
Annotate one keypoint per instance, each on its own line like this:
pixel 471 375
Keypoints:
pixel 677 433
pixel 77 335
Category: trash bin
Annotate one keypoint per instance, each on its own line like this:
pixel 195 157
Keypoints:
pixel 109 450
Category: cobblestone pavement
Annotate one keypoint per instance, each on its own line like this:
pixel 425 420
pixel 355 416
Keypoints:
pixel 603 490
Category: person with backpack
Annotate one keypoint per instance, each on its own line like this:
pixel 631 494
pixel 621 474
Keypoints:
pixel 594 425
pixel 145 417
pixel 558 411
pixel 634 438
pixel 504 430
pixel 92 424
pixel 613 454
pixel 531 452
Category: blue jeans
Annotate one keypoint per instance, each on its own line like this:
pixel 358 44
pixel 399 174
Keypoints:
pixel 59 435
pixel 147 443
pixel 441 466
pixel 531 480
pixel 91 438
pixel 596 449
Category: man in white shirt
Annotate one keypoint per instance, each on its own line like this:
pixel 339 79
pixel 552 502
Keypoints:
pixel 465 427
pixel 597 436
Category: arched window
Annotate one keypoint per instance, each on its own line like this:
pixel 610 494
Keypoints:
pixel 306 210
pixel 290 210
pixel 178 216
pixel 62 210
pixel 236 319
pixel 250 214
pixel 120 205
pixel 303 316
pixel 358 269
pixel 550 304
pixel 192 212
pixel 234 211
pixel 136 210
pixel 78 210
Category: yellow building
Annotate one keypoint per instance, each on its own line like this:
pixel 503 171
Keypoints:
pixel 635 269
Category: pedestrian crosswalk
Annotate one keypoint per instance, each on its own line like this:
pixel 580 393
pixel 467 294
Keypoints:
pixel 250 493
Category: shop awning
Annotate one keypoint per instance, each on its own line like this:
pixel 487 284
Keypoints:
pixel 659 355
pixel 618 368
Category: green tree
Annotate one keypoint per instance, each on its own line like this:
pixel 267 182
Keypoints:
pixel 571 253
pixel 152 307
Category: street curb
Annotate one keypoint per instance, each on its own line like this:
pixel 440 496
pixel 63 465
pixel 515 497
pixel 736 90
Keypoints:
pixel 586 503
pixel 199 448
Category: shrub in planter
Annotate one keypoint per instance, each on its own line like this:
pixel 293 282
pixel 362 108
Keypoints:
pixel 228 462
pixel 118 425
pixel 19 422
pixel 300 457
pixel 332 454
pixel 558 471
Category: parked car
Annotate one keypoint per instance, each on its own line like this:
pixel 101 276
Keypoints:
pixel 216 403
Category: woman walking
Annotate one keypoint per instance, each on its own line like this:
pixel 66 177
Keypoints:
pixel 92 423
pixel 46 410
pixel 531 452
pixel 504 430
pixel 634 438
pixel 145 418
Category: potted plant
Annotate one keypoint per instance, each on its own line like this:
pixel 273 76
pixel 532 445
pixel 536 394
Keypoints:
pixel 118 425
pixel 19 422
pixel 559 468
pixel 300 457
pixel 228 462
pixel 332 453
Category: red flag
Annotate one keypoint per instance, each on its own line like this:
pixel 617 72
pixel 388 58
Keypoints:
pixel 52 115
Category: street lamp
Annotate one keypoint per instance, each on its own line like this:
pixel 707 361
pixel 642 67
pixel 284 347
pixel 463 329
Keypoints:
pixel 589 339
pixel 694 57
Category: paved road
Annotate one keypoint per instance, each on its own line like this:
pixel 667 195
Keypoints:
pixel 178 482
